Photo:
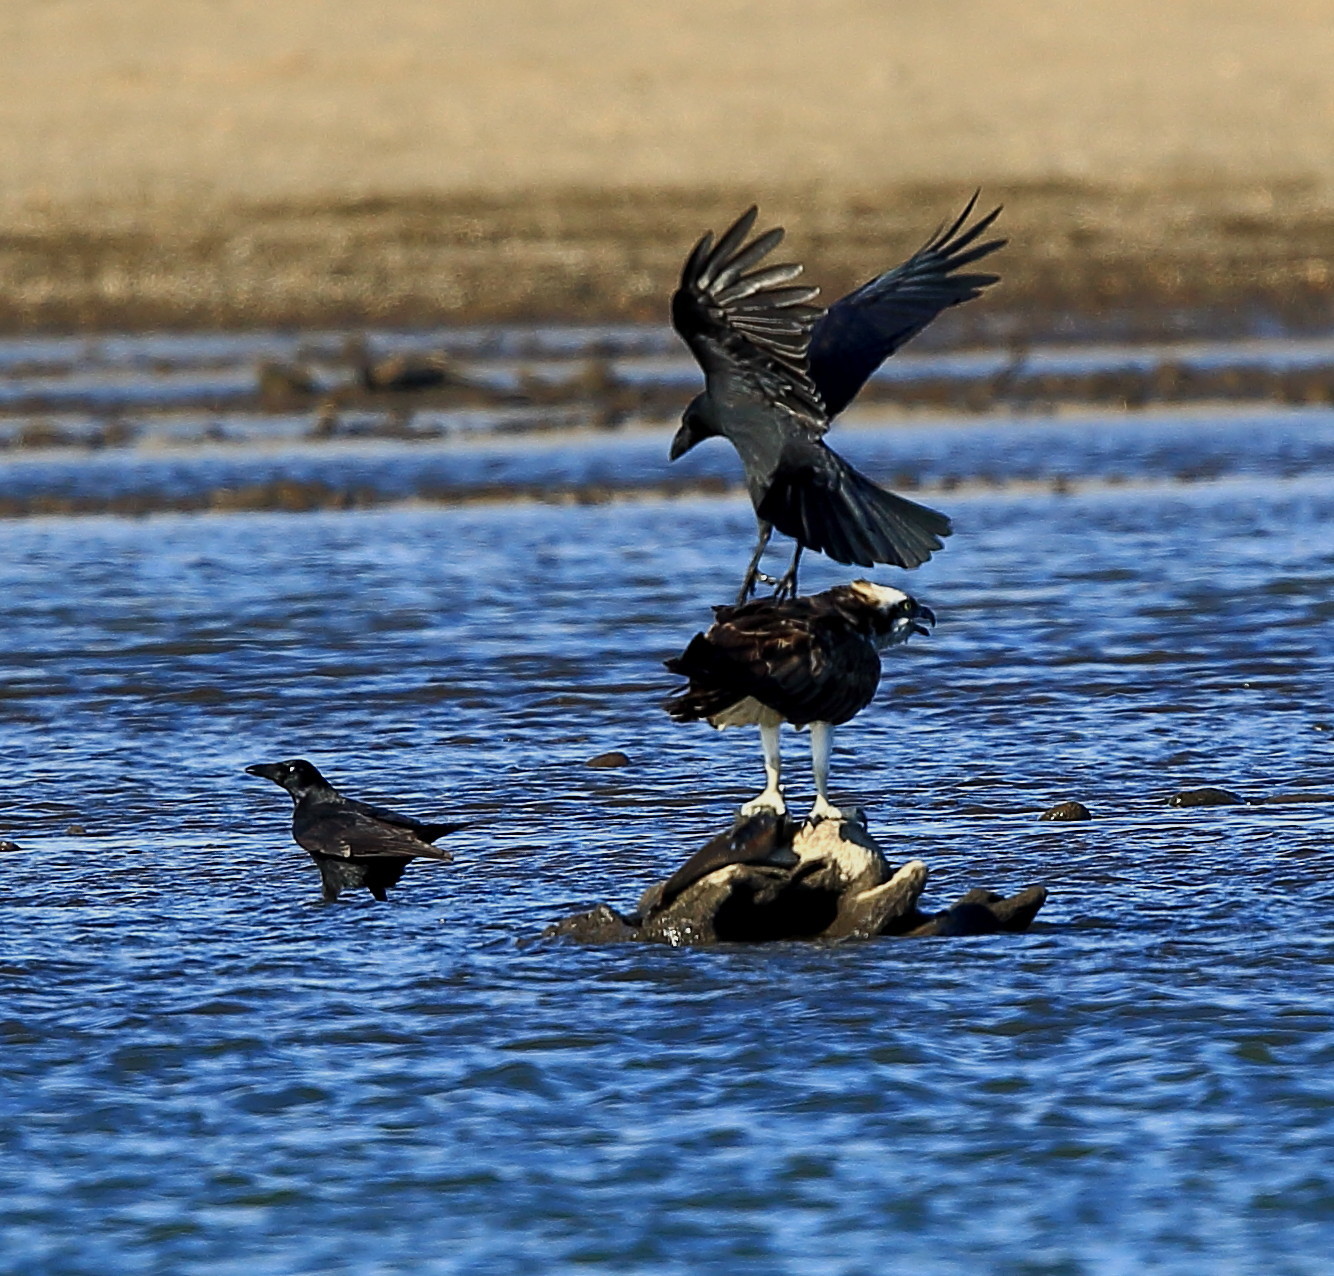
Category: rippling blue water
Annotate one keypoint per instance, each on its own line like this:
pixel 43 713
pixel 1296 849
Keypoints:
pixel 205 1070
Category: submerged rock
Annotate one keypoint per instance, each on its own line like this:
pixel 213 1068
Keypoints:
pixel 1205 797
pixel 7 845
pixel 769 879
pixel 1066 811
pixel 605 761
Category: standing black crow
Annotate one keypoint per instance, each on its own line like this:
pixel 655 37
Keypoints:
pixel 351 842
pixel 777 370
pixel 812 661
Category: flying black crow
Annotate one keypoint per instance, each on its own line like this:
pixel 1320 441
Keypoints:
pixel 351 842
pixel 777 370
pixel 811 661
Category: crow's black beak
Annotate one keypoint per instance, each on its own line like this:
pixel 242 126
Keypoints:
pixel 682 441
pixel 265 771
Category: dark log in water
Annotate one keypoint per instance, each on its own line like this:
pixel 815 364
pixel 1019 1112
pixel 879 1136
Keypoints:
pixel 768 879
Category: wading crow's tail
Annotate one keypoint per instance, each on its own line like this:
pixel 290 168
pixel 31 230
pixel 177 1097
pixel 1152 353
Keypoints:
pixel 819 500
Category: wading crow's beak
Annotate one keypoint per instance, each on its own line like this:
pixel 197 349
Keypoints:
pixel 265 771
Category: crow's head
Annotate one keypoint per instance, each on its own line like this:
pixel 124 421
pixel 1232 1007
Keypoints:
pixel 893 615
pixel 696 426
pixel 296 775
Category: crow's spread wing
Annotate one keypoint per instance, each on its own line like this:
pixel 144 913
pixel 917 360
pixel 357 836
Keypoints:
pixel 350 833
pixel 859 332
pixel 748 325
pixel 806 667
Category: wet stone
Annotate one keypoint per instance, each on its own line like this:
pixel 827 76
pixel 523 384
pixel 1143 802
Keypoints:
pixel 7 845
pixel 600 925
pixel 1205 797
pixel 76 830
pixel 1066 811
pixel 605 761
pixel 769 879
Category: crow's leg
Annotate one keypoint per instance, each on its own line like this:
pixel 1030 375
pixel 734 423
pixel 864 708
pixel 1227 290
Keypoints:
pixel 772 797
pixel 822 739
pixel 766 530
pixel 786 585
pixel 330 881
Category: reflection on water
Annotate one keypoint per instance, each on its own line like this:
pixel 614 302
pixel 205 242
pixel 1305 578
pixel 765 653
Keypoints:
pixel 205 1070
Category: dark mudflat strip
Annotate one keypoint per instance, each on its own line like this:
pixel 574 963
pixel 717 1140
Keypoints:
pixel 1179 259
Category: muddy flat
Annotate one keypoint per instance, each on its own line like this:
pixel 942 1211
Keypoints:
pixel 184 164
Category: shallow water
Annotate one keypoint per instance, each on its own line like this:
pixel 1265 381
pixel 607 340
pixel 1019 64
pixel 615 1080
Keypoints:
pixel 205 1070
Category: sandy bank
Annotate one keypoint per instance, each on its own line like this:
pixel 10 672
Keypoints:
pixel 177 162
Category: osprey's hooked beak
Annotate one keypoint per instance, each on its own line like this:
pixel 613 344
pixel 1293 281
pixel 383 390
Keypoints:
pixel 923 619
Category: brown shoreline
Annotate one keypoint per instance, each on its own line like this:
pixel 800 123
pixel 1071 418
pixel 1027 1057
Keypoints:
pixel 1129 261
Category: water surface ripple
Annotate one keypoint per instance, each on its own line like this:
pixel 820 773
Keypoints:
pixel 205 1070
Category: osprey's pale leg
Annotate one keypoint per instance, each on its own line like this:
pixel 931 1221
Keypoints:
pixel 822 740
pixel 772 797
pixel 753 571
pixel 786 585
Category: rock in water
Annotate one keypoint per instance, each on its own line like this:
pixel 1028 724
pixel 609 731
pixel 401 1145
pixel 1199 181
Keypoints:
pixel 1205 797
pixel 607 761
pixel 983 912
pixel 1066 811
pixel 767 879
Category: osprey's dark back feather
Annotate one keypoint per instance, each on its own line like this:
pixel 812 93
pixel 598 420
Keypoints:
pixel 807 659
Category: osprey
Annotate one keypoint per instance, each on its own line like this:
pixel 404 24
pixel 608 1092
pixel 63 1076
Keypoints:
pixel 351 842
pixel 811 661
pixel 777 370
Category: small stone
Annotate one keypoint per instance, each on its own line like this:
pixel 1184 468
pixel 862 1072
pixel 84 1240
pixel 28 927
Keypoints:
pixel 605 761
pixel 1205 797
pixel 600 925
pixel 7 845
pixel 1066 811
pixel 76 830
pixel 985 912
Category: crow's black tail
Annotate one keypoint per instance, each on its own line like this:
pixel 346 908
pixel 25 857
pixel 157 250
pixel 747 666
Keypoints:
pixel 818 499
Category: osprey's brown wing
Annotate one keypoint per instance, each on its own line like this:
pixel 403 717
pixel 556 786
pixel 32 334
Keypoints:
pixel 748 326
pixel 805 664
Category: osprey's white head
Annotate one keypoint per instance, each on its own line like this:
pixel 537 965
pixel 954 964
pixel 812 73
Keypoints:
pixel 894 615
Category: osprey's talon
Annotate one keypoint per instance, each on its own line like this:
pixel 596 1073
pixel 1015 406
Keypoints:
pixel 822 810
pixel 769 800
